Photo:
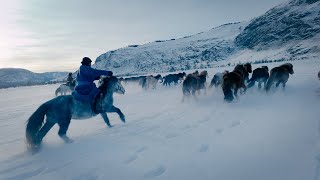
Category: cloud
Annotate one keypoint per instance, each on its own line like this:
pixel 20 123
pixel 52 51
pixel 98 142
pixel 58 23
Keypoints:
pixel 63 31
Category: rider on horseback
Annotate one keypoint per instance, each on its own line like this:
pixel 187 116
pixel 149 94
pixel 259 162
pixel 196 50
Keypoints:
pixel 70 80
pixel 85 89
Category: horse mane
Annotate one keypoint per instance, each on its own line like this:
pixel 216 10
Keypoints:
pixel 248 67
pixel 288 67
pixel 104 84
pixel 204 73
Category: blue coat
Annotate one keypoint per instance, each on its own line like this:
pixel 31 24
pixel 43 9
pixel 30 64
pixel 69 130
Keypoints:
pixel 85 89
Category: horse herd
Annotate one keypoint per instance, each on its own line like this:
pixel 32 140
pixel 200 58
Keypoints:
pixel 60 110
pixel 230 82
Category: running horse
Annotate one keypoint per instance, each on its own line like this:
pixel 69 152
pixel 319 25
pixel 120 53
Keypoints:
pixel 62 109
pixel 63 89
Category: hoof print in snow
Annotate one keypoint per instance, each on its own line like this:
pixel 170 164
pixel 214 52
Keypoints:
pixel 131 159
pixel 219 131
pixel 140 150
pixel 169 136
pixel 204 148
pixel 186 127
pixel 29 174
pixel 235 123
pixel 204 120
pixel 155 172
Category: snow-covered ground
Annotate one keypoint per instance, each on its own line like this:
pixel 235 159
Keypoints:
pixel 257 137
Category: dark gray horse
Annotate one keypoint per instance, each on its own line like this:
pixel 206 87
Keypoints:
pixel 64 108
pixel 260 75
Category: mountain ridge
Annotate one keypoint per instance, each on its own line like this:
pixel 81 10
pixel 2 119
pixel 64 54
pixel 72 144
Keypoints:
pixel 288 31
pixel 13 77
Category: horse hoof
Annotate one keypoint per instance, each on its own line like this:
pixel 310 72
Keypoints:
pixel 68 141
pixel 34 149
pixel 110 126
pixel 123 119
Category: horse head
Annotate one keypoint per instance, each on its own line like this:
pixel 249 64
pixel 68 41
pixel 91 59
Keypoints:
pixel 248 67
pixel 204 73
pixel 288 67
pixel 73 83
pixel 158 77
pixel 111 84
pixel 265 67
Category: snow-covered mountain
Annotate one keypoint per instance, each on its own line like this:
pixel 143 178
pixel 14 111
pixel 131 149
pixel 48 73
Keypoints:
pixel 11 77
pixel 289 31
pixel 290 24
pixel 189 52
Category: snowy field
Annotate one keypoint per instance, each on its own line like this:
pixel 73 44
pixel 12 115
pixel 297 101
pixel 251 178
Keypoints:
pixel 257 137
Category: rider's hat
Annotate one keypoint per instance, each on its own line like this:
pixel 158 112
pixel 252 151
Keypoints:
pixel 86 61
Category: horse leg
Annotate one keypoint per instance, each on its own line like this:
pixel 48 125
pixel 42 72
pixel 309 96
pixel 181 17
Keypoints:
pixel 259 84
pixel 44 130
pixel 277 84
pixel 63 130
pixel 186 94
pixel 106 119
pixel 205 88
pixel 283 85
pixel 236 93
pixel 243 89
pixel 194 94
pixel 118 111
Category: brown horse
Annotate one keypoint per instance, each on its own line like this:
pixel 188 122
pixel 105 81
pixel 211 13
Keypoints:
pixel 232 81
pixel 235 80
pixel 279 75
pixel 244 70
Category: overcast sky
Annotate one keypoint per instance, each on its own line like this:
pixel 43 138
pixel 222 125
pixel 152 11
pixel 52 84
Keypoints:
pixel 54 35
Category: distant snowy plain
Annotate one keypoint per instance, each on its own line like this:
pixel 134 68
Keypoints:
pixel 257 137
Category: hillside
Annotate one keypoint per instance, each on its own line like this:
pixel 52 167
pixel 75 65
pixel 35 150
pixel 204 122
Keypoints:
pixel 289 31
pixel 189 52
pixel 12 77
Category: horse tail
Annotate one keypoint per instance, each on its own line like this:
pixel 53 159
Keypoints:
pixel 34 123
pixel 57 91
pixel 270 80
pixel 213 82
pixel 226 88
